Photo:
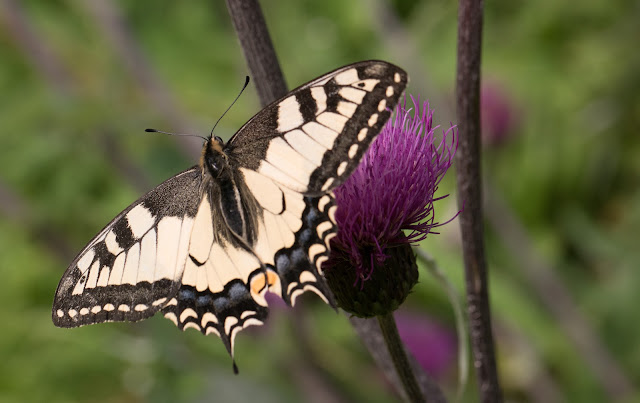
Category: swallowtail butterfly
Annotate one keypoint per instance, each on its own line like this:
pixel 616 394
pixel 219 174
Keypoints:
pixel 255 214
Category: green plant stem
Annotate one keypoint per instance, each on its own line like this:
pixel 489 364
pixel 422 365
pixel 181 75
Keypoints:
pixel 399 356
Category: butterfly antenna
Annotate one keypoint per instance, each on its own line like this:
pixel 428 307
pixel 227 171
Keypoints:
pixel 174 134
pixel 246 82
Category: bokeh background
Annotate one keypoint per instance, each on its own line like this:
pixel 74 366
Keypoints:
pixel 81 80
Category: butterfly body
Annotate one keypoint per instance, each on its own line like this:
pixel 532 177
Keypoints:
pixel 255 214
pixel 228 190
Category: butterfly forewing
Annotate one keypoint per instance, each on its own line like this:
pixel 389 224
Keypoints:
pixel 313 138
pixel 206 245
pixel 132 267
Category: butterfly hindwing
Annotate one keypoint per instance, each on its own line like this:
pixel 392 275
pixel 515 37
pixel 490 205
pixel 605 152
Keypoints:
pixel 314 137
pixel 223 283
pixel 292 237
pixel 299 267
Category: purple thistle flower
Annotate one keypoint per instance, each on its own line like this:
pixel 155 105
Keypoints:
pixel 388 200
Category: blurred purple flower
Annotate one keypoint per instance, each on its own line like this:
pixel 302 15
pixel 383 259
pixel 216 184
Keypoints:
pixel 497 115
pixel 433 345
pixel 388 200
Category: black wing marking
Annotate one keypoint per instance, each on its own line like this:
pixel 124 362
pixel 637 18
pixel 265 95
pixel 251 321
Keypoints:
pixel 313 138
pixel 223 313
pixel 132 268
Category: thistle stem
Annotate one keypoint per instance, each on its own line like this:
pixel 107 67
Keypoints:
pixel 399 356
pixel 254 37
pixel 470 13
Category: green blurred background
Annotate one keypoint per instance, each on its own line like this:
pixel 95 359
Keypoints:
pixel 81 80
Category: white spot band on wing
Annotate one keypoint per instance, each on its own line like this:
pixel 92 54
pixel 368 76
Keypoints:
pixel 306 146
pixel 93 275
pixel 347 77
pixel 220 268
pixel 333 121
pixel 140 220
pixel 147 265
pixel 281 177
pixel 346 109
pixel 320 96
pixel 266 192
pixel 202 233
pixel 373 119
pixel 321 134
pixel 353 150
pixel 169 229
pixel 115 278
pixel 307 277
pixel 367 85
pixel 288 160
pixel 289 116
pixel 86 259
pixel 322 203
pixel 130 273
pixel 352 94
pixel 342 167
pixel 112 243
pixel 103 280
pixel 363 133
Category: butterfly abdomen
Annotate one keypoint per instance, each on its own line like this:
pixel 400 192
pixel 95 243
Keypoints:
pixel 231 204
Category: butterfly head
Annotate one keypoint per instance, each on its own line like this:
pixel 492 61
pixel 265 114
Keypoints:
pixel 214 159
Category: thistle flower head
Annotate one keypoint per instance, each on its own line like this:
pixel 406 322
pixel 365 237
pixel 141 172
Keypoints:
pixel 388 202
pixel 393 189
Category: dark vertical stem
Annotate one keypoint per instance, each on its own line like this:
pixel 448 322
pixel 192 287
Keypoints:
pixel 470 196
pixel 369 332
pixel 258 50
pixel 399 356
